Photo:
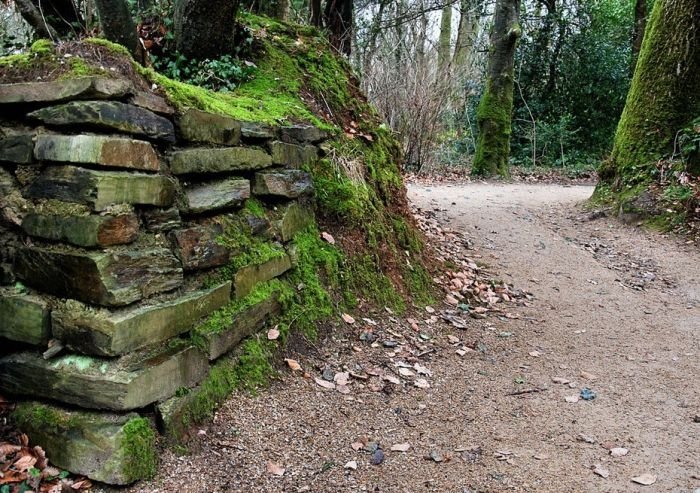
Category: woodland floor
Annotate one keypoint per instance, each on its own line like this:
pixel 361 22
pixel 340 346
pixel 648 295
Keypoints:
pixel 615 309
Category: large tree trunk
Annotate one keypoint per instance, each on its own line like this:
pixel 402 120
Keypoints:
pixel 444 42
pixel 640 22
pixel 279 9
pixel 466 34
pixel 117 24
pixel 663 97
pixel 205 28
pixel 338 20
pixel 496 106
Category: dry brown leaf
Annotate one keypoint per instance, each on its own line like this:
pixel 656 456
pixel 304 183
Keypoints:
pixel 24 463
pixel 392 379
pixel 293 364
pixel 452 339
pixel 8 448
pixel 342 378
pixel 83 484
pixel 357 445
pixel 348 319
pixel 328 238
pixel 325 384
pixel 601 471
pixel 646 479
pixel 421 383
pixel 273 333
pixel 572 398
pixel 588 376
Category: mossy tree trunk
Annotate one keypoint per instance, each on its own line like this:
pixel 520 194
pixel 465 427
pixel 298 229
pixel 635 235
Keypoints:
pixel 496 106
pixel 205 28
pixel 117 24
pixel 640 22
pixel 664 96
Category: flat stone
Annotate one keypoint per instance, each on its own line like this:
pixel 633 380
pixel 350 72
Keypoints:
pixel 85 231
pixel 293 155
pixel 17 148
pixel 242 324
pixel 246 278
pixel 63 90
pixel 24 318
pixel 130 382
pixel 97 445
pixel 101 189
pixel 159 220
pixel 257 131
pixel 100 278
pixel 112 152
pixel 295 218
pixel 108 115
pixel 218 160
pixel 302 133
pixel 198 248
pixel 216 195
pixel 200 126
pixel 153 102
pixel 114 333
pixel 289 183
pixel 13 206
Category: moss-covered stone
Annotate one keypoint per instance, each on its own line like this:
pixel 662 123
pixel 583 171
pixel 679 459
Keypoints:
pixel 111 152
pixel 24 318
pixel 219 160
pixel 107 115
pixel 197 247
pixel 288 183
pixel 294 218
pixel 102 278
pixel 216 195
pixel 246 278
pixel 85 231
pixel 131 382
pixel 110 448
pixel 293 155
pixel 17 148
pixel 101 189
pixel 302 133
pixel 200 126
pixel 115 333
pixel 63 90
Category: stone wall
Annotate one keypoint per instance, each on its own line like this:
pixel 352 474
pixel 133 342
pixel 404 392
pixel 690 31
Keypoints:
pixel 125 228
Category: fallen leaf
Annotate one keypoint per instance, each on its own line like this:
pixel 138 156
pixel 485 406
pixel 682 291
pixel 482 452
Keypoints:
pixel 452 339
pixel 342 378
pixel 24 463
pixel 586 438
pixel 541 456
pixel 392 379
pixel 401 447
pixel 275 469
pixel 535 354
pixel 328 238
pixel 84 484
pixel 588 376
pixel 560 380
pixel 324 383
pixel 645 479
pixel 430 309
pixel 273 334
pixel 422 370
pixel 293 364
pixel 347 318
pixel 357 446
pixel 571 398
pixel 405 372
pixel 601 471
pixel 351 465
pixel 618 451
pixel 343 389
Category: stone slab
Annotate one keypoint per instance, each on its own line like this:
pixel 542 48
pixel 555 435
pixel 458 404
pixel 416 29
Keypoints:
pixel 152 102
pixel 17 148
pixel 131 382
pixel 219 160
pixel 295 218
pixel 24 318
pixel 302 133
pixel 288 183
pixel 158 220
pixel 242 324
pixel 198 248
pixel 216 195
pixel 200 126
pixel 101 189
pixel 84 231
pixel 257 131
pixel 116 449
pixel 110 152
pixel 118 332
pixel 63 90
pixel 246 278
pixel 293 155
pixel 107 115
pixel 100 278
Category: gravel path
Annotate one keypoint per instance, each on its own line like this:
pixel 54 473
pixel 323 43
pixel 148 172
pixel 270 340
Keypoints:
pixel 615 310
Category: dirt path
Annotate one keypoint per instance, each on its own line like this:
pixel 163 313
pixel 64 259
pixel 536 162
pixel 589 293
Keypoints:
pixel 616 310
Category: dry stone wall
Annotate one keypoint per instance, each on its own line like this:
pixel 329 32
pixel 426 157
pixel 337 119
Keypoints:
pixel 115 214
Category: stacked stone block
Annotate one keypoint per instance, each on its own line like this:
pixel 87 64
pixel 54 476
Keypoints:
pixel 112 213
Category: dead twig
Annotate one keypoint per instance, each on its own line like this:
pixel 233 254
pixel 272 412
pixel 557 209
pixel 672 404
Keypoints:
pixel 529 391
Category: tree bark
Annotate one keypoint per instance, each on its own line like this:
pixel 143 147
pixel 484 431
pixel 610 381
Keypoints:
pixel 663 97
pixel 278 9
pixel 496 105
pixel 32 15
pixel 339 22
pixel 117 24
pixel 205 28
pixel 444 42
pixel 316 13
pixel 466 30
pixel 640 22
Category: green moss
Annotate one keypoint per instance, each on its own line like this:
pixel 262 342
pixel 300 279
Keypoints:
pixel 493 143
pixel 254 207
pixel 79 68
pixel 138 445
pixel 114 48
pixel 42 47
pixel 368 281
pixel 39 416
